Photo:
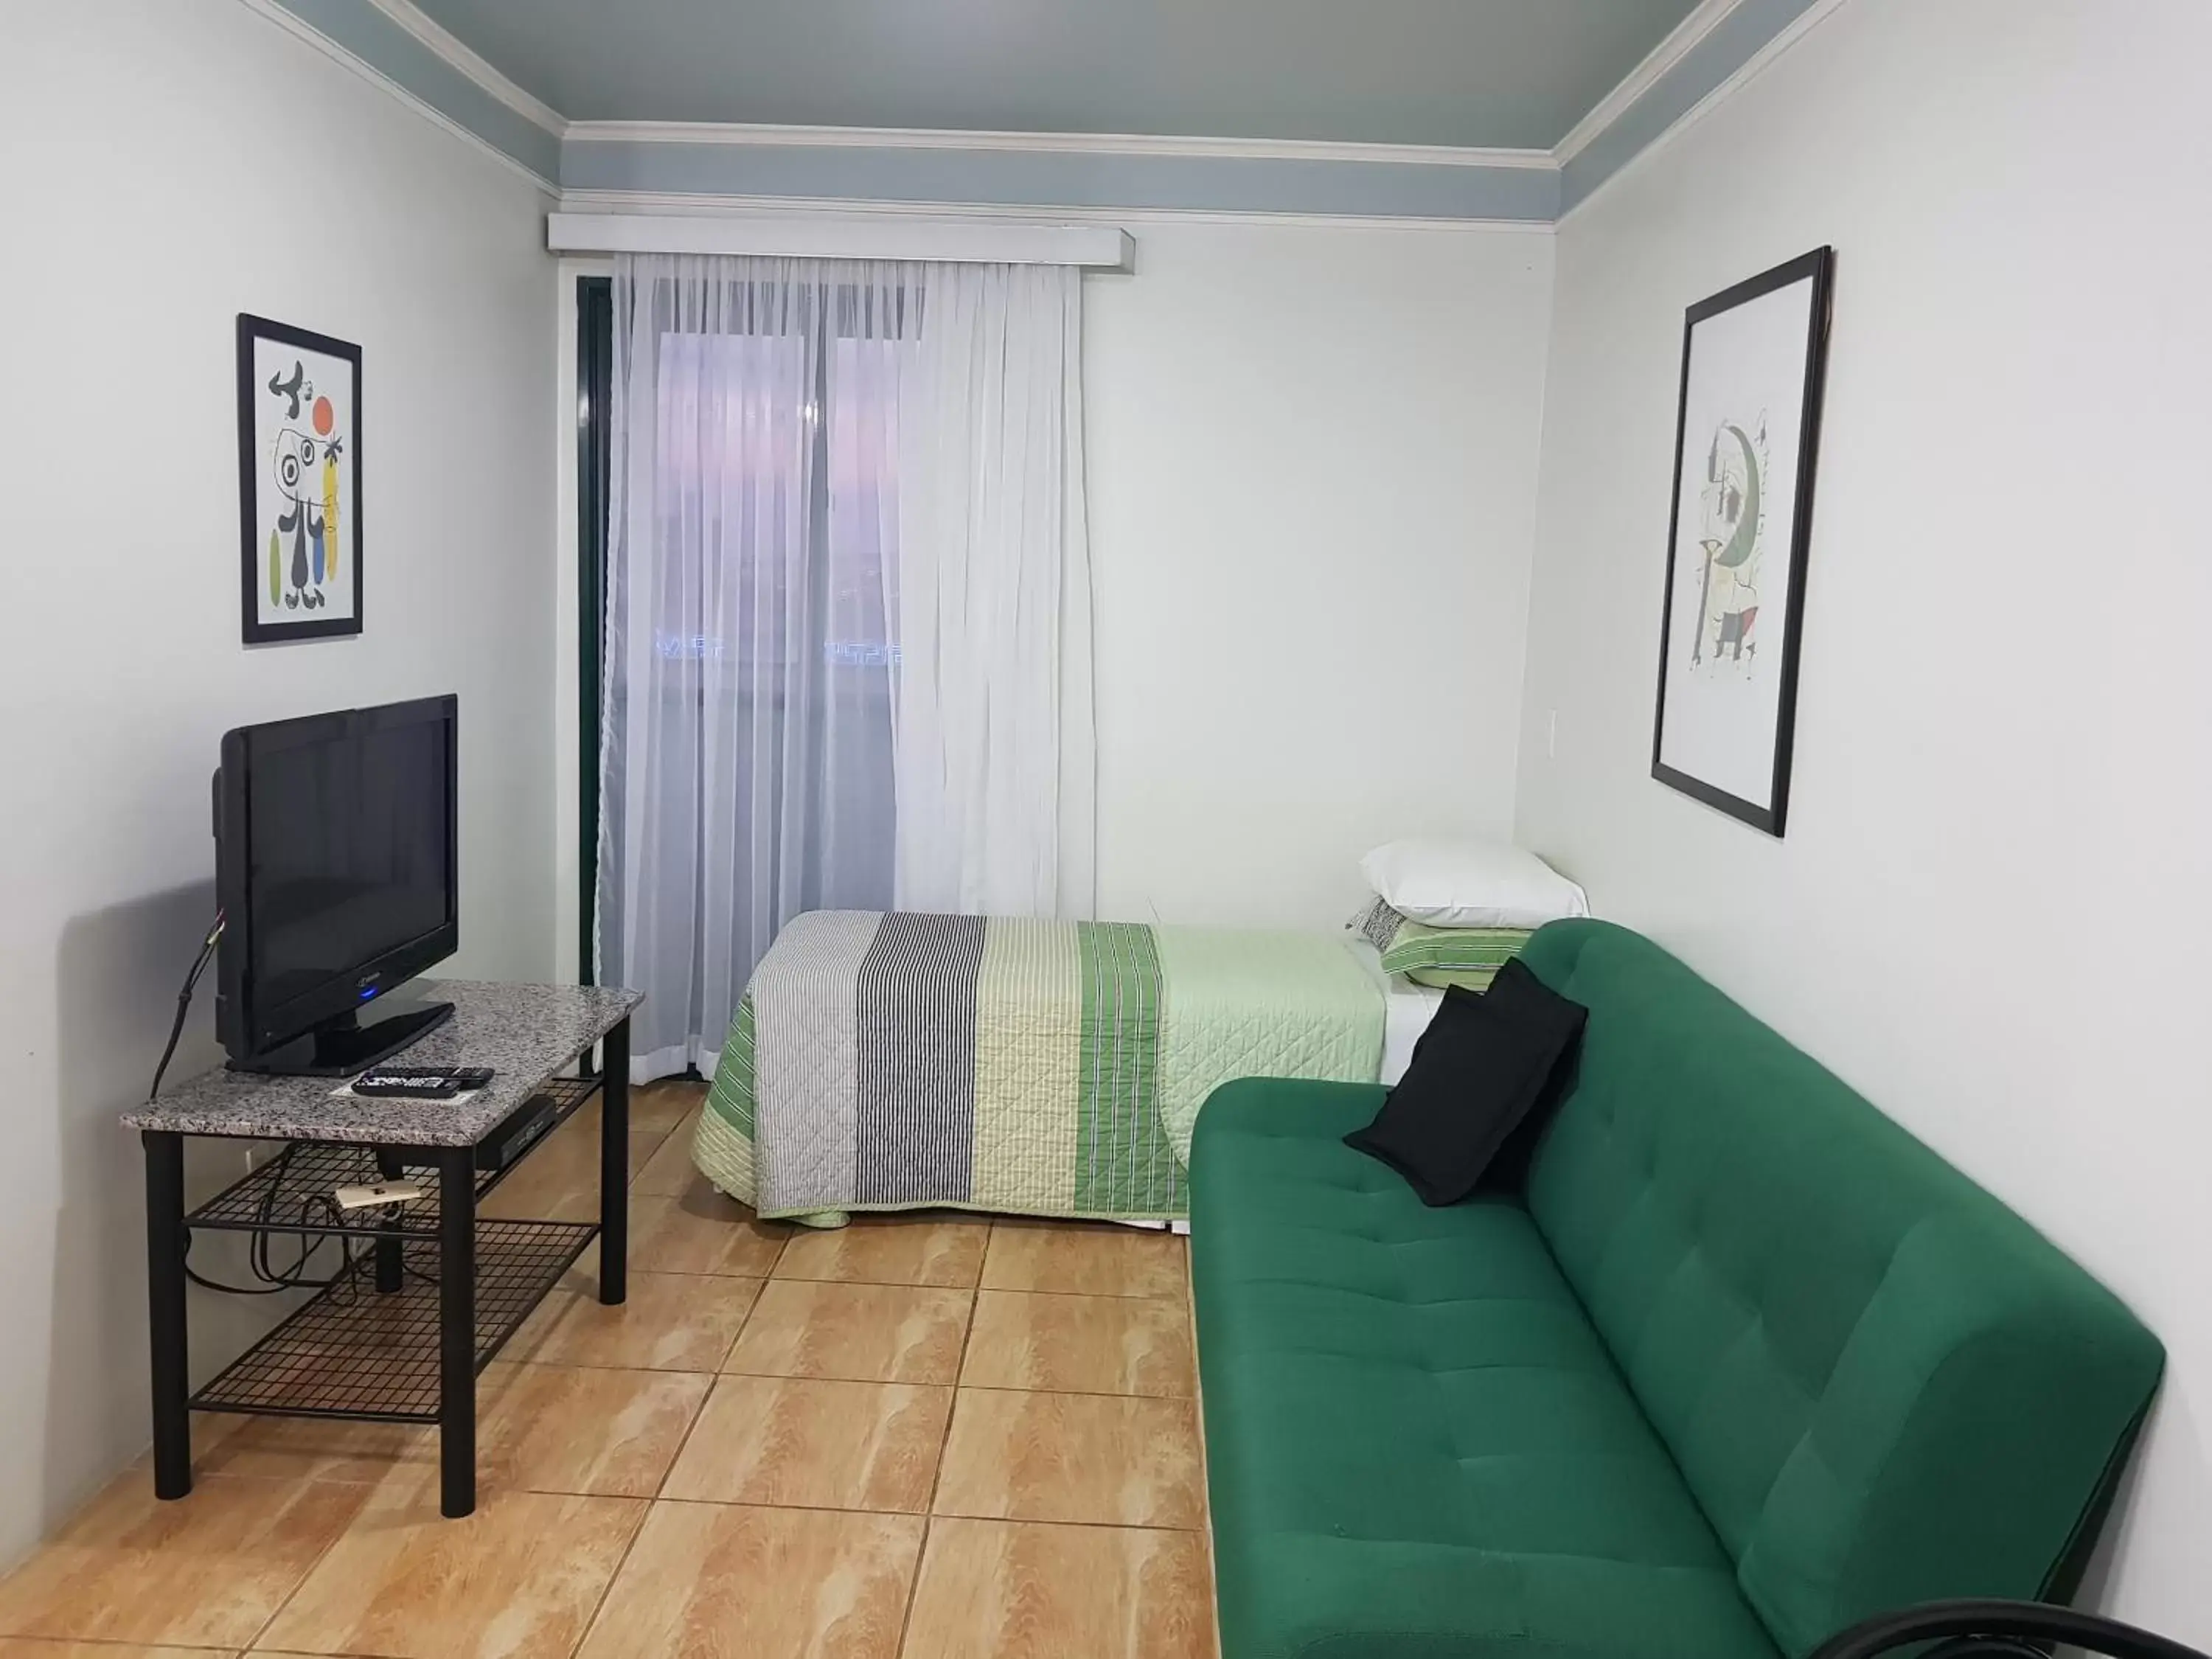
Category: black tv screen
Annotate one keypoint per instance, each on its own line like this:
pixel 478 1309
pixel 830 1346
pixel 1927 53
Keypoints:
pixel 337 853
pixel 349 858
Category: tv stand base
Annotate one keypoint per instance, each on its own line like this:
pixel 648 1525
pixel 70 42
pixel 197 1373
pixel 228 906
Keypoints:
pixel 345 1046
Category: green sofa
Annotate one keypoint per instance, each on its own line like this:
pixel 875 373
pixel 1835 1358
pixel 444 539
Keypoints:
pixel 1736 1362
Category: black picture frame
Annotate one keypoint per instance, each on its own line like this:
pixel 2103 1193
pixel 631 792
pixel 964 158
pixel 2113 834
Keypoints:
pixel 261 563
pixel 1817 267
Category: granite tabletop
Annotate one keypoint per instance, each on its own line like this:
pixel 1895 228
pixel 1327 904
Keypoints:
pixel 525 1033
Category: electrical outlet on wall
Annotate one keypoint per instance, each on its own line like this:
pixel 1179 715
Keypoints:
pixel 1551 736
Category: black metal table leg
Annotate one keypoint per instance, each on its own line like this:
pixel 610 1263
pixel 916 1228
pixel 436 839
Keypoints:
pixel 457 1330
pixel 165 1297
pixel 614 1166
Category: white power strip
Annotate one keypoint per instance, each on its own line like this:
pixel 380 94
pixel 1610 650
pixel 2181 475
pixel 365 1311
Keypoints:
pixel 377 1192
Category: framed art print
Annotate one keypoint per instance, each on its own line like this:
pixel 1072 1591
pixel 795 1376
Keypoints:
pixel 299 482
pixel 1745 434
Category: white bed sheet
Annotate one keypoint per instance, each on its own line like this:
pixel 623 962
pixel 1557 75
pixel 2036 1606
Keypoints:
pixel 1407 1009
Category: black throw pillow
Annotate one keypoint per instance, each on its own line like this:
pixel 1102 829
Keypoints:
pixel 1485 1064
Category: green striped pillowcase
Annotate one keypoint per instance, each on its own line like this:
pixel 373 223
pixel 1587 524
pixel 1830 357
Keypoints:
pixel 1438 956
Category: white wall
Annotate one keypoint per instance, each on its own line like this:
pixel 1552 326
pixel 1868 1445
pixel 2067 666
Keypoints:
pixel 1312 470
pixel 1311 463
pixel 172 163
pixel 1990 909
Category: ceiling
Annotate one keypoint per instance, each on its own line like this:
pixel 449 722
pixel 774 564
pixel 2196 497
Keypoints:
pixel 1512 74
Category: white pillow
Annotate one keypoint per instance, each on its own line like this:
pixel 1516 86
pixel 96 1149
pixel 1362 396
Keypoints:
pixel 1470 884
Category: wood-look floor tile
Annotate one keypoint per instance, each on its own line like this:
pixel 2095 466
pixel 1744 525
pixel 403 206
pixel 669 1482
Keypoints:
pixel 699 1231
pixel 1072 1457
pixel 1078 1344
pixel 326 1449
pixel 655 1110
pixel 711 1579
pixel 1095 1259
pixel 303 1447
pixel 891 1249
pixel 580 1135
pixel 670 1322
pixel 583 1274
pixel 518 1579
pixel 1023 1590
pixel 814 1444
pixel 658 1108
pixel 860 1333
pixel 38 1647
pixel 559 1180
pixel 205 1570
pixel 569 1429
pixel 669 1172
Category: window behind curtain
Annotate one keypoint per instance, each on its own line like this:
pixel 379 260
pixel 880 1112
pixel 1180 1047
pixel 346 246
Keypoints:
pixel 765 765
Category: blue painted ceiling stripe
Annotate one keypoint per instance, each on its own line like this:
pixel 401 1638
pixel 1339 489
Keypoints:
pixel 1064 178
pixel 393 52
pixel 1733 42
pixel 1046 179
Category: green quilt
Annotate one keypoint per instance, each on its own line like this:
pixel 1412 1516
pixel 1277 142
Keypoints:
pixel 896 1061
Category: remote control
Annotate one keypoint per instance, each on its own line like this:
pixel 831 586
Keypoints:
pixel 422 1082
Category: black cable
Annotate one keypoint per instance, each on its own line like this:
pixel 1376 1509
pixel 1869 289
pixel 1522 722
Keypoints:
pixel 257 1252
pixel 184 1003
pixel 202 1280
pixel 310 1205
pixel 272 1280
pixel 311 1244
pixel 294 1276
pixel 258 1260
pixel 271 1288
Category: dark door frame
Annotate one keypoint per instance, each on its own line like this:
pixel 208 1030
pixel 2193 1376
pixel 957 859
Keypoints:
pixel 595 353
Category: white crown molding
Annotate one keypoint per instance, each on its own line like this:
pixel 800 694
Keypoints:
pixel 681 204
pixel 299 29
pixel 1680 42
pixel 857 236
pixel 1076 144
pixel 1703 20
pixel 459 56
pixel 1742 75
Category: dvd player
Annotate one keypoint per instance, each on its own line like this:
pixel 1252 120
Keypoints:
pixel 517 1132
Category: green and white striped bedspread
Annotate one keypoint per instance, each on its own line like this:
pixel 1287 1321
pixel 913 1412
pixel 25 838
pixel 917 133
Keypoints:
pixel 893 1061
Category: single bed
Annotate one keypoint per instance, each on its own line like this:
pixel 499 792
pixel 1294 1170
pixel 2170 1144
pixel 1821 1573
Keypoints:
pixel 892 1060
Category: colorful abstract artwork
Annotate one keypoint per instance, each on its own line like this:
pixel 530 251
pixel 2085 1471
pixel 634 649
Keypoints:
pixel 1752 360
pixel 298 435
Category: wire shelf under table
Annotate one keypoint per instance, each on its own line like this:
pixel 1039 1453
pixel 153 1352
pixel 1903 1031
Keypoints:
pixel 270 1198
pixel 355 1351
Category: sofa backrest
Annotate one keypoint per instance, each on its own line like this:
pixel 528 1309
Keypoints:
pixel 1882 1385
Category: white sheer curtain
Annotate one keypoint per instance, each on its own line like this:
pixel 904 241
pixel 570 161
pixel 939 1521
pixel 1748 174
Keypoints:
pixel 848 648
pixel 993 713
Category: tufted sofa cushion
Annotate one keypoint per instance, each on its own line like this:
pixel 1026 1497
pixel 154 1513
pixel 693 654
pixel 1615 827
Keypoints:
pixel 1744 1363
pixel 1416 1445
pixel 1882 1385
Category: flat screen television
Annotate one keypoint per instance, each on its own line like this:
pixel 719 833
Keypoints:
pixel 338 870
